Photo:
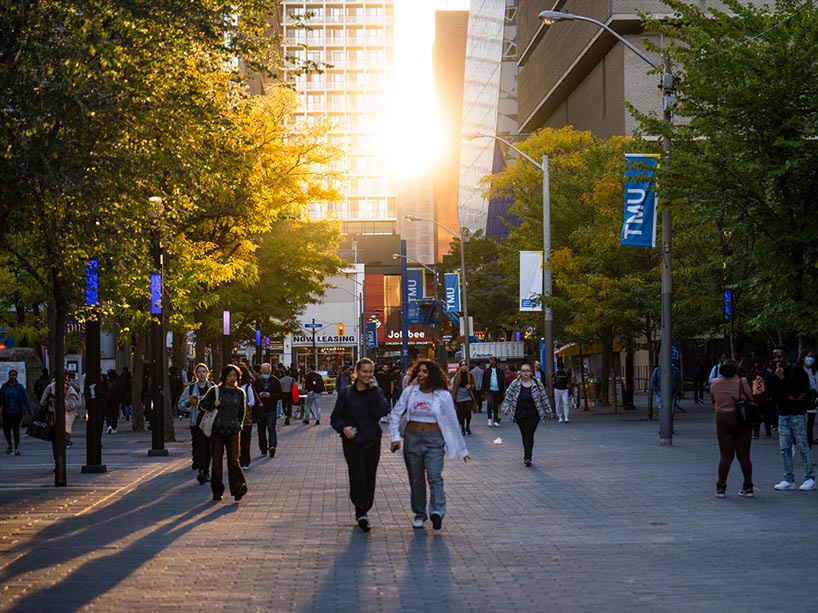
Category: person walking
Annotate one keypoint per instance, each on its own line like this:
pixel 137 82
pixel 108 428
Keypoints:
pixel 314 385
pixel 231 403
pixel 477 375
pixel 343 380
pixel 734 438
pixel 72 400
pixel 462 388
pixel 14 403
pixel 562 394
pixel 189 402
pixel 698 377
pixel 788 389
pixel 246 437
pixel 493 387
pixel 356 417
pixel 758 381
pixel 431 430
pixel 113 398
pixel 268 391
pixel 675 388
pixel 127 392
pixel 526 400
pixel 807 362
pixel 287 383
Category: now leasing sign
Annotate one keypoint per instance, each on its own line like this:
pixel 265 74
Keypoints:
pixel 639 228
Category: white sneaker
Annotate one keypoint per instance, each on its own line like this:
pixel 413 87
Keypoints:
pixel 807 485
pixel 786 485
pixel 417 523
pixel 561 420
pixel 109 429
pixel 490 424
pixel 496 424
pixel 113 431
pixel 567 420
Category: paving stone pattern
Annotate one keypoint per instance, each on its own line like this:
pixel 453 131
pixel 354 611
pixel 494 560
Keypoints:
pixel 606 519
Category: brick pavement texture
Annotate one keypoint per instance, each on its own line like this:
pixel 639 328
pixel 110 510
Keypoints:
pixel 606 519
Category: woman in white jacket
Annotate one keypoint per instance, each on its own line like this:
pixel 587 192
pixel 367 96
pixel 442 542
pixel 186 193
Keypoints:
pixel 431 430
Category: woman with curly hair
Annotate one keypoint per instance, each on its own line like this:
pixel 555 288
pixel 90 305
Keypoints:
pixel 431 430
pixel 528 403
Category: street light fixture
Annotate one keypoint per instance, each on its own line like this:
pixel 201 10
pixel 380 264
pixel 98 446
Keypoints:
pixel 466 326
pixel 668 87
pixel 548 329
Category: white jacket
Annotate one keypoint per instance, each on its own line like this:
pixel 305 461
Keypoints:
pixel 445 414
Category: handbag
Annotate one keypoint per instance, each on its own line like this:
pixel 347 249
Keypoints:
pixel 206 424
pixel 296 395
pixel 41 430
pixel 747 411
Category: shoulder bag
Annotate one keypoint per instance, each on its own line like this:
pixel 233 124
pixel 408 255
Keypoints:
pixel 206 425
pixel 747 411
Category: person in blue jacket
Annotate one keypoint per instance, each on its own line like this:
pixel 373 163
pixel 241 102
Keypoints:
pixel 13 401
pixel 356 417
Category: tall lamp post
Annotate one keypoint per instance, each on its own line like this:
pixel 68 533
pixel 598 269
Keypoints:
pixel 93 425
pixel 466 324
pixel 668 87
pixel 548 329
pixel 158 340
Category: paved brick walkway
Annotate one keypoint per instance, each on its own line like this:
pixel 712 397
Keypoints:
pixel 606 520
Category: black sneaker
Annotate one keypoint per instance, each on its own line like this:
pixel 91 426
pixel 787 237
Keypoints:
pixel 272 452
pixel 306 422
pixel 317 422
pixel 527 463
pixel 437 521
pixel 201 477
pixel 746 491
pixel 241 490
pixel 363 523
pixel 287 422
pixel 721 490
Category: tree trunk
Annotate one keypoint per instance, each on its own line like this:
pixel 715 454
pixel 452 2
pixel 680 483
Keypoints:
pixel 607 349
pixel 138 419
pixel 179 352
pixel 58 310
pixel 627 390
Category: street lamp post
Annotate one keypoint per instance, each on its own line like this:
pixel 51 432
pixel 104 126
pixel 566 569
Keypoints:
pixel 158 337
pixel 668 87
pixel 93 406
pixel 466 324
pixel 548 329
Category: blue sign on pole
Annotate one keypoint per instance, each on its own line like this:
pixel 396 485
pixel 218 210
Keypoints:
pixel 728 304
pixel 414 283
pixel 371 335
pixel 316 326
pixel 452 280
pixel 156 294
pixel 91 282
pixel 639 227
pixel 258 338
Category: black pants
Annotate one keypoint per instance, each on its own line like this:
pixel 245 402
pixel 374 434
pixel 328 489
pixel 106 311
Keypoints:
pixel 362 464
pixel 113 414
pixel 244 444
pixel 767 418
pixel 527 426
pixel 201 449
pixel 698 391
pixel 464 413
pixel 494 400
pixel 219 444
pixel 11 426
pixel 287 405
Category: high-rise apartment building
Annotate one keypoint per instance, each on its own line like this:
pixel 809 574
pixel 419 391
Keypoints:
pixel 489 101
pixel 349 48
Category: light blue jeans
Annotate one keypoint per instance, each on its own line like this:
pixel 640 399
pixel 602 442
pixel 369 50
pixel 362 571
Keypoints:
pixel 659 406
pixel 793 428
pixel 423 453
pixel 313 398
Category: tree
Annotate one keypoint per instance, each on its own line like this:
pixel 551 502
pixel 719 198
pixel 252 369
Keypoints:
pixel 745 155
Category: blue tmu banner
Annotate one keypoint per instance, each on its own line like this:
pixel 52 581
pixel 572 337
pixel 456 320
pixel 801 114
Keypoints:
pixel 639 227
pixel 371 335
pixel 414 283
pixel 452 292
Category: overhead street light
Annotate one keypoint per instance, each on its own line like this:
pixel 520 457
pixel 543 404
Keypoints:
pixel 466 326
pixel 668 86
pixel 548 330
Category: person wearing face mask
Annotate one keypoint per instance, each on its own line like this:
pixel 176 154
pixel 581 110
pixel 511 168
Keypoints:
pixel 268 390
pixel 356 417
pixel 807 362
pixel 788 388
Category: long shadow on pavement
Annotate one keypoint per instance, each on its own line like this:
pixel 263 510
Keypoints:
pixel 158 523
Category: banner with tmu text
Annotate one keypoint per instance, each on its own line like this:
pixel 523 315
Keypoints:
pixel 639 227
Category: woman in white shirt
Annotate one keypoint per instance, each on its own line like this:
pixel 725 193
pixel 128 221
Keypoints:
pixel 431 430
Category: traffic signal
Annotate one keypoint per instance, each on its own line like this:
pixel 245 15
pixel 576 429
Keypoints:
pixel 340 329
